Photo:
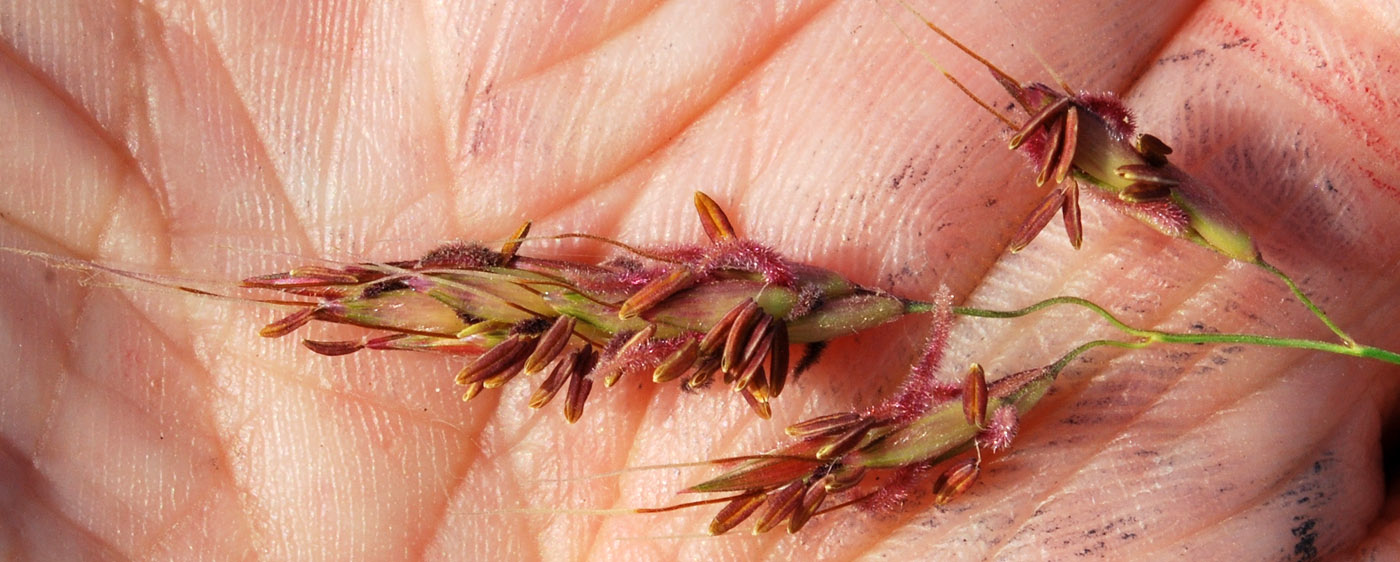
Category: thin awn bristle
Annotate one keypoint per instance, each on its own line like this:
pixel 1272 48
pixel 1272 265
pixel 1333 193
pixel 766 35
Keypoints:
pixel 553 511
pixel 1038 57
pixel 609 241
pixel 711 463
pixel 146 281
pixel 623 472
pixel 939 67
pixel 961 47
pixel 689 536
pixel 1064 84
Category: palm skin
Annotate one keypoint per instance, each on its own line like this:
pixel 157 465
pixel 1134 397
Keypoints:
pixel 229 140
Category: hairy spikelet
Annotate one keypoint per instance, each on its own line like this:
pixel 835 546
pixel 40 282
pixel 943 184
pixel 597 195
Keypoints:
pixel 723 311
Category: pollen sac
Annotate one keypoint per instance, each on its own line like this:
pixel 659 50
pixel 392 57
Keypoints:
pixel 1153 149
pixel 955 480
pixel 737 336
pixel 473 389
pixel 747 369
pixel 753 397
pixel 551 344
pixel 735 512
pixel 655 292
pixel 713 219
pixel 507 357
pixel 333 348
pixel 782 503
pixel 1142 192
pixel 778 358
pixel 843 479
pixel 558 375
pixel 288 324
pixel 512 245
pixel 737 346
pixel 1142 173
pixel 575 365
pixel 633 350
pixel 579 386
pixel 974 396
pixel 829 424
pixel 678 362
pixel 847 441
pixel 811 502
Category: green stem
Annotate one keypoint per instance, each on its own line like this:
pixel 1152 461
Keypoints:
pixel 1303 298
pixel 1086 346
pixel 1148 337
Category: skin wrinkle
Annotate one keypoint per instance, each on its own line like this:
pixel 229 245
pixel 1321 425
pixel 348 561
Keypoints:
pixel 37 467
pixel 65 373
pixel 664 400
pixel 1286 480
pixel 453 434
pixel 68 103
pixel 333 154
pixel 1262 498
pixel 1154 57
pixel 234 435
pixel 1267 76
pixel 47 423
pixel 437 82
pixel 143 60
pixel 7 449
pixel 497 83
pixel 780 42
pixel 1267 232
pixel 191 510
pixel 632 421
pixel 276 177
pixel 1241 506
pixel 1028 202
pixel 721 96
pixel 519 484
pixel 467 464
pixel 569 54
pixel 444 172
pixel 236 438
pixel 1266 83
pixel 1052 493
pixel 1367 128
pixel 137 110
pixel 719 93
pixel 732 432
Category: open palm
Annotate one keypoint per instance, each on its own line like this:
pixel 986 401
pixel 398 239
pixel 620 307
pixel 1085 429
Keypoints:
pixel 225 140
